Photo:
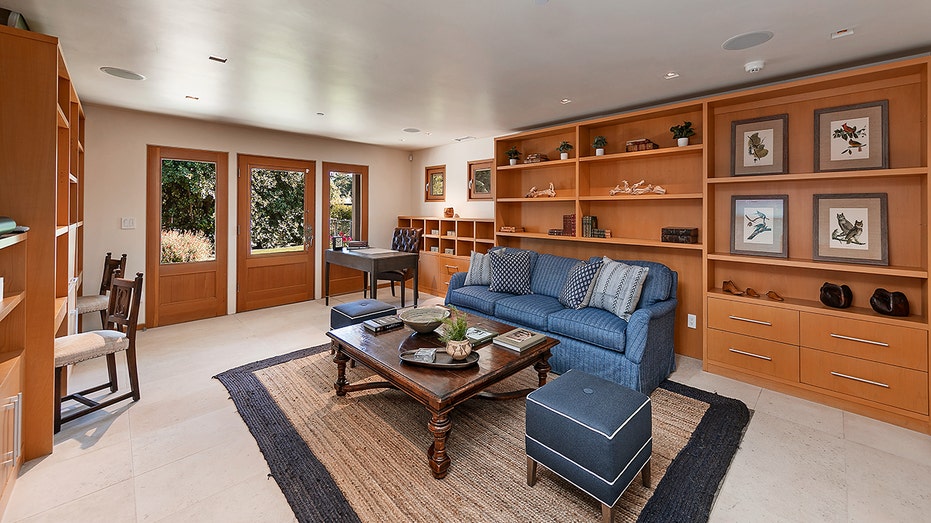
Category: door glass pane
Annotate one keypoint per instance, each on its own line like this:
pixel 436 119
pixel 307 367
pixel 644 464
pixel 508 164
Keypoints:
pixel 189 211
pixel 277 212
pixel 344 222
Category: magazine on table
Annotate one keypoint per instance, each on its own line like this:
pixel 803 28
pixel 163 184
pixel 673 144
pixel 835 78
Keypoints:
pixel 518 339
pixel 478 335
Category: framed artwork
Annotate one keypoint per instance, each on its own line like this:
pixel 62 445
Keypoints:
pixel 435 188
pixel 759 225
pixel 850 228
pixel 852 137
pixel 760 146
pixel 480 180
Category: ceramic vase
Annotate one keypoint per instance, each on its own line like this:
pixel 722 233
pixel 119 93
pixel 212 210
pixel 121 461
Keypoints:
pixel 458 350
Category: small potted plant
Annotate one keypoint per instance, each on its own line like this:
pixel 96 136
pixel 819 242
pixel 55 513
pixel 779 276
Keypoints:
pixel 682 132
pixel 513 155
pixel 564 148
pixel 599 144
pixel 455 326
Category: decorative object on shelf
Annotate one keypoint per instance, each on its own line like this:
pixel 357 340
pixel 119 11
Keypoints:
pixel 513 154
pixel 731 288
pixel 889 303
pixel 449 250
pixel 533 192
pixel 454 336
pixel 850 228
pixel 773 295
pixel 751 292
pixel 536 158
pixel 679 234
pixel 434 249
pixel 852 137
pixel 424 320
pixel 837 296
pixel 760 145
pixel 555 232
pixel 7 225
pixel 448 212
pixel 759 225
pixel 682 132
pixel 599 143
pixel 510 228
pixel 637 188
pixel 435 231
pixel 640 144
pixel 564 148
pixel 568 224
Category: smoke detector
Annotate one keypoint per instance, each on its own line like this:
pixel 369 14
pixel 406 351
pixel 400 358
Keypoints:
pixel 754 66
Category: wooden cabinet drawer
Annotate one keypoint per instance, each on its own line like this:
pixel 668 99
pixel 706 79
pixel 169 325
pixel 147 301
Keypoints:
pixel 890 344
pixel 450 265
pixel 760 321
pixel 886 384
pixel 762 356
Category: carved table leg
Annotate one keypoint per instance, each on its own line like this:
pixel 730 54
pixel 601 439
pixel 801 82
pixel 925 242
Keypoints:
pixel 439 425
pixel 341 380
pixel 543 368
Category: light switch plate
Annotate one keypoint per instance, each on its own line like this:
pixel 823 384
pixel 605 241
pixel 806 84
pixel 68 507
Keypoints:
pixel 127 222
pixel 693 321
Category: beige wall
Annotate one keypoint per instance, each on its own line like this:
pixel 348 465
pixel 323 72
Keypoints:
pixel 456 158
pixel 115 167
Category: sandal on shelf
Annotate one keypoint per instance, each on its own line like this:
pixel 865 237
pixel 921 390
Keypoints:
pixel 752 293
pixel 773 295
pixel 728 286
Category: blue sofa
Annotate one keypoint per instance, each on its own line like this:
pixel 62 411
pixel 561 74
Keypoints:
pixel 638 353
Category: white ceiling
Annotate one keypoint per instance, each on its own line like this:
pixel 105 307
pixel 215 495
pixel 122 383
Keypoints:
pixel 452 69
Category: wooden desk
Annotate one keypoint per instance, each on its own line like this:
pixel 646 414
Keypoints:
pixel 371 261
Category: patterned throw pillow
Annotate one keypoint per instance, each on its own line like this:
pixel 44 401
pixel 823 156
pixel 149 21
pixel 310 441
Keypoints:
pixel 617 287
pixel 577 292
pixel 479 270
pixel 510 271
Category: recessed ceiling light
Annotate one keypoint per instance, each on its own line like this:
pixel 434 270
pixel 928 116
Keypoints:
pixel 670 75
pixel 122 73
pixel 411 130
pixel 189 97
pixel 565 101
pixel 840 33
pixel 218 59
pixel 747 40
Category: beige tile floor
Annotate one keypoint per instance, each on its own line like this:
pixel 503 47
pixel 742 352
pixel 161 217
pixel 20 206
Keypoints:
pixel 183 454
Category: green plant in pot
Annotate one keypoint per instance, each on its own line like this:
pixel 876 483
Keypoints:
pixel 564 148
pixel 682 132
pixel 599 143
pixel 513 154
pixel 454 335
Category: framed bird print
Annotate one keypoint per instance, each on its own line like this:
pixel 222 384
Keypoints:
pixel 853 137
pixel 759 225
pixel 760 146
pixel 850 228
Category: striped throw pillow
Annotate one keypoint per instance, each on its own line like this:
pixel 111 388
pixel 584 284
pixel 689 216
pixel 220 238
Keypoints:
pixel 479 270
pixel 617 287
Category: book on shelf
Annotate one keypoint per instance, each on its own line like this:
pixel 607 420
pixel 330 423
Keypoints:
pixel 511 228
pixel 568 224
pixel 519 339
pixel 478 336
pixel 382 324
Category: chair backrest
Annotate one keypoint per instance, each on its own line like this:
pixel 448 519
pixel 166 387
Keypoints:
pixel 406 239
pixel 110 265
pixel 123 310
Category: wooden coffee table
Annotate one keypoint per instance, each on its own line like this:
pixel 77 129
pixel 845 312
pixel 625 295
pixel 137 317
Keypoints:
pixel 439 390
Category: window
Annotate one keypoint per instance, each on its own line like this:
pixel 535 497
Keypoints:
pixel 188 211
pixel 435 187
pixel 480 180
pixel 345 189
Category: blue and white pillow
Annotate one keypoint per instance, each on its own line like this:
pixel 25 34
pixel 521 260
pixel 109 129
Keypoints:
pixel 510 271
pixel 577 292
pixel 617 287
pixel 479 270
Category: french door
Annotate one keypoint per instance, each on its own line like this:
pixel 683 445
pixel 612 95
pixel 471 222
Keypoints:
pixel 346 196
pixel 275 233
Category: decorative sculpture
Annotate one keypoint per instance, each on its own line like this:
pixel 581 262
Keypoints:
pixel 637 188
pixel 533 193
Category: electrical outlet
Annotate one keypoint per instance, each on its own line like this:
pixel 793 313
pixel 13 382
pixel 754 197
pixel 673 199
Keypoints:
pixel 693 321
pixel 127 222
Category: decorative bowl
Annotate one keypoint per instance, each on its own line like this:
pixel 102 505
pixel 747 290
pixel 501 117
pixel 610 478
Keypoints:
pixel 424 319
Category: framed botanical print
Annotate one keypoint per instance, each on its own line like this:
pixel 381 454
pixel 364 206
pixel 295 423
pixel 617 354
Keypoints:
pixel 760 146
pixel 850 228
pixel 435 187
pixel 480 180
pixel 759 225
pixel 852 137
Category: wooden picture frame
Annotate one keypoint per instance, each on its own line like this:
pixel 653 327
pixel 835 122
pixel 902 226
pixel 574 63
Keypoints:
pixel 759 225
pixel 852 137
pixel 760 146
pixel 480 179
pixel 850 228
pixel 435 186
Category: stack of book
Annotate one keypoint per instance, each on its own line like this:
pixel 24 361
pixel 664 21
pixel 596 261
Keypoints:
pixel 518 339
pixel 589 224
pixel 511 228
pixel 382 324
pixel 568 224
pixel 680 234
pixel 600 233
pixel 554 232
pixel 477 336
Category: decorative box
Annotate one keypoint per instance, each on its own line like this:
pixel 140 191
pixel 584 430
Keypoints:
pixel 536 158
pixel 680 234
pixel 642 144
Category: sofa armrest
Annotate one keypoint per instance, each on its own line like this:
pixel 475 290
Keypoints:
pixel 455 281
pixel 650 332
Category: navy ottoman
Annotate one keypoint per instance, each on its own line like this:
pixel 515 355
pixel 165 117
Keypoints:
pixel 358 311
pixel 596 434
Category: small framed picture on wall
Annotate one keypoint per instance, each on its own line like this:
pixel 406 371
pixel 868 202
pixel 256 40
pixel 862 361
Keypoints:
pixel 759 225
pixel 760 146
pixel 850 228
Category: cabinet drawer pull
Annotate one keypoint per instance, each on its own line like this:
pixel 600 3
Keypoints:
pixel 861 340
pixel 748 320
pixel 452 267
pixel 861 380
pixel 752 355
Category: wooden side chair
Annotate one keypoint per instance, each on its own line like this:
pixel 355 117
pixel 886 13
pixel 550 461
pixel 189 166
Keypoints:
pixel 404 239
pixel 98 303
pixel 122 315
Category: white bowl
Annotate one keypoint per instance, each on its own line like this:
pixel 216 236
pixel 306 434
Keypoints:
pixel 424 319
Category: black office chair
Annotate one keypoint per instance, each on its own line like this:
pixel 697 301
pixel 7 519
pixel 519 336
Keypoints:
pixel 404 239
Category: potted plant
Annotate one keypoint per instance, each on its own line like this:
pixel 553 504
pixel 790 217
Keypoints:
pixel 455 326
pixel 513 155
pixel 682 132
pixel 564 148
pixel 599 144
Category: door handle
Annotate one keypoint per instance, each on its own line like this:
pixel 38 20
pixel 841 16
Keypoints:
pixel 309 236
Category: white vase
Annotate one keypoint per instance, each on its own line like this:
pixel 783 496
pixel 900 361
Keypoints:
pixel 600 151
pixel 683 141
pixel 458 350
pixel 563 156
pixel 512 161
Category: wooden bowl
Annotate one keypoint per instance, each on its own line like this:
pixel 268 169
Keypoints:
pixel 424 319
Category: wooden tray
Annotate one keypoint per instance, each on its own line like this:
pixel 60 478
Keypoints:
pixel 442 360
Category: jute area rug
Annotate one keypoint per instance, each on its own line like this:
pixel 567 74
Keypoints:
pixel 363 457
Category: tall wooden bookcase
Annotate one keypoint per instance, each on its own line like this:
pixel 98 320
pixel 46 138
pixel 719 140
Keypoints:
pixel 42 175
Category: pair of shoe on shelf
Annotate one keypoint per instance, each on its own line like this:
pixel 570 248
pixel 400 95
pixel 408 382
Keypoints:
pixel 729 287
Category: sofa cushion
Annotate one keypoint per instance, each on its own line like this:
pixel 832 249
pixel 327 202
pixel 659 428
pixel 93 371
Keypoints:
pixel 476 297
pixel 596 326
pixel 530 310
pixel 510 271
pixel 549 274
pixel 617 287
pixel 577 291
pixel 479 269
pixel 658 285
